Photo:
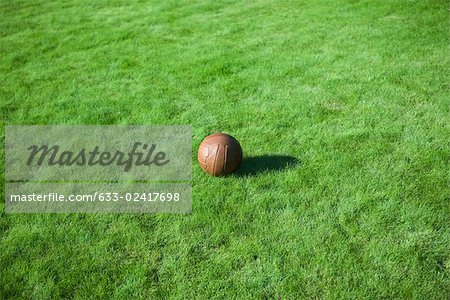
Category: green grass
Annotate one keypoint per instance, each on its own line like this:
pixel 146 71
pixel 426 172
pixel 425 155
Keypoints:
pixel 356 91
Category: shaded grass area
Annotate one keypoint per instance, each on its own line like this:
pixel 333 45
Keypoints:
pixel 342 109
pixel 257 165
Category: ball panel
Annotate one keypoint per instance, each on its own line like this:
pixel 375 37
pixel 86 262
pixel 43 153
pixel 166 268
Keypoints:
pixel 220 162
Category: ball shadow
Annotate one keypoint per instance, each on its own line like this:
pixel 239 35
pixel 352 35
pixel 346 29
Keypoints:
pixel 254 165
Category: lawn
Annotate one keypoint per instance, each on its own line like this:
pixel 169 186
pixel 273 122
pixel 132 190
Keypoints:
pixel 343 112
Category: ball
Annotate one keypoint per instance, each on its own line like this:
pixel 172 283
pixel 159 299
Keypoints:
pixel 219 154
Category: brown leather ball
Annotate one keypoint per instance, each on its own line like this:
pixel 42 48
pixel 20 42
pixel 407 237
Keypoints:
pixel 219 154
